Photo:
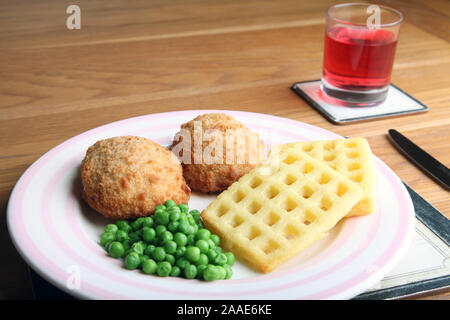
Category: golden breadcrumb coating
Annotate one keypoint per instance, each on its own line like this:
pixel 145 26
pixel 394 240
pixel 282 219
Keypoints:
pixel 127 177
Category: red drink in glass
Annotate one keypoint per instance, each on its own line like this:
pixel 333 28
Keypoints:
pixel 360 43
pixel 358 58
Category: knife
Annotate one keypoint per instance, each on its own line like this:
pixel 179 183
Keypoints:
pixel 422 159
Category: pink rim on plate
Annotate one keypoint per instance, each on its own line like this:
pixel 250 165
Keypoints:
pixel 53 235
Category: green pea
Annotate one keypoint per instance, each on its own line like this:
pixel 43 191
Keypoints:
pixel 197 219
pixel 212 254
pixel 132 261
pixel 173 226
pixel 216 239
pixel 170 258
pixel 116 249
pixel 192 253
pixel 194 213
pixel 170 204
pixel 190 271
pixel 166 236
pixel 174 216
pixel 159 254
pixel 211 243
pixel 163 269
pixel 143 244
pixel 107 246
pixel 183 216
pixel 180 252
pixel 203 259
pixel 203 234
pixel 123 225
pixel 121 235
pixel 201 268
pixel 229 271
pixel 149 266
pixel 158 212
pixel 222 272
pixel 147 222
pixel 126 244
pixel 141 220
pixel 143 258
pixel 221 259
pixel 176 271
pixel 149 250
pixel 127 228
pixel 162 217
pixel 148 234
pixel 183 207
pixel 211 273
pixel 180 239
pixel 134 236
pixel 170 246
pixel 138 247
pixel 218 249
pixel 202 245
pixel 184 227
pixel 190 240
pixel 160 229
pixel 174 209
pixel 106 238
pixel 136 224
pixel 191 220
pixel 230 258
pixel 161 207
pixel 182 262
pixel 110 228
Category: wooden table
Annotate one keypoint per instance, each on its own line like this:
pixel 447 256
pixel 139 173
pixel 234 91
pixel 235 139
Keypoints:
pixel 140 57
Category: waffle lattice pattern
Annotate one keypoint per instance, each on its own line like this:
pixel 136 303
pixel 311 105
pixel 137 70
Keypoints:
pixel 280 208
pixel 350 157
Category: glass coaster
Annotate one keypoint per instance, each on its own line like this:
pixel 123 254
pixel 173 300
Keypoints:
pixel 397 103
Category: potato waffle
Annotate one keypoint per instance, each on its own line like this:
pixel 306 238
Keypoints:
pixel 280 208
pixel 350 157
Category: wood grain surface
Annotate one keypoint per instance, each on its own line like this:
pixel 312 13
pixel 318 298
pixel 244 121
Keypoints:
pixel 141 57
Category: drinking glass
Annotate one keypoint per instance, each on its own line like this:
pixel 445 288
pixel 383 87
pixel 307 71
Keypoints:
pixel 360 43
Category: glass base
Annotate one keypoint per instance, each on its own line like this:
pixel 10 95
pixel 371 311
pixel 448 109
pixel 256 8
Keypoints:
pixel 351 98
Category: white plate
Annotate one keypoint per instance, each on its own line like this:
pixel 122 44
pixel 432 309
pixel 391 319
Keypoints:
pixel 57 234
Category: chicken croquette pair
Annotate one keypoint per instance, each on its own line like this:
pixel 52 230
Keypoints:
pixel 127 177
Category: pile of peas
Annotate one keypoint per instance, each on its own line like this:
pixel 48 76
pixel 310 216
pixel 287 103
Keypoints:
pixel 172 242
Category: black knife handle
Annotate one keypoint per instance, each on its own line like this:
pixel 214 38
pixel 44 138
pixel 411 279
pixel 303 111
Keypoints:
pixel 421 158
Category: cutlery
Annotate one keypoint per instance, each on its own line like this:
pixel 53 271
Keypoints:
pixel 422 159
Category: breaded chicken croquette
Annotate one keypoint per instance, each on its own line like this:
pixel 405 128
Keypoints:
pixel 127 177
pixel 215 150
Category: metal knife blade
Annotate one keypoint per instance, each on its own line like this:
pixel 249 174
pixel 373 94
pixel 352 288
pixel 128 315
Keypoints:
pixel 421 158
